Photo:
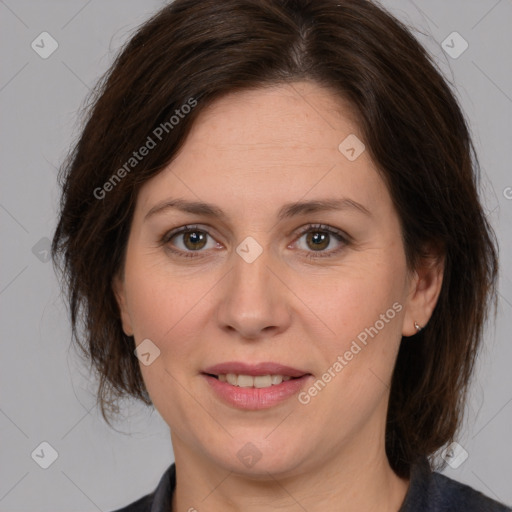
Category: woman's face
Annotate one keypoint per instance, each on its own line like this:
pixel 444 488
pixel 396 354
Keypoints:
pixel 256 285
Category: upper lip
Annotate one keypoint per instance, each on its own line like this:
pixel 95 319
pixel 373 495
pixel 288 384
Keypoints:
pixel 264 368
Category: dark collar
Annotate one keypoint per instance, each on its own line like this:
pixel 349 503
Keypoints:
pixel 428 492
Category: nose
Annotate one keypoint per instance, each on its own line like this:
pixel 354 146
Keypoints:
pixel 254 301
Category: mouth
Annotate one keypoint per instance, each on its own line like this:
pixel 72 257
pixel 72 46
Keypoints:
pixel 255 386
pixel 250 381
pixel 259 375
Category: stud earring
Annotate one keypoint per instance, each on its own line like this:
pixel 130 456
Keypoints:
pixel 418 327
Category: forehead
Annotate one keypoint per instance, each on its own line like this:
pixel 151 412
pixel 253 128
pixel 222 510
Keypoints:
pixel 280 120
pixel 269 146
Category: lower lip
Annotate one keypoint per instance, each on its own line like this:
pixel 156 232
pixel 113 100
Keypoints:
pixel 256 398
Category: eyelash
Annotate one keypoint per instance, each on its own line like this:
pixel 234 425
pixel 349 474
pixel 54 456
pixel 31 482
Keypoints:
pixel 339 235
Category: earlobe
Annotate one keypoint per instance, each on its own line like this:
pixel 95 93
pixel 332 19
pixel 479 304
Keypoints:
pixel 119 292
pixel 424 292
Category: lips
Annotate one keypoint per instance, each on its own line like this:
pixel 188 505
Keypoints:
pixel 264 368
pixel 262 394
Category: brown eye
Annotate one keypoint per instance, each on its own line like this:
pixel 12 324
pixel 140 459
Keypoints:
pixel 187 241
pixel 318 240
pixel 194 240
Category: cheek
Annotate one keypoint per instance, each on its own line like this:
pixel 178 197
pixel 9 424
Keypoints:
pixel 357 356
pixel 356 297
pixel 171 310
pixel 155 300
pixel 362 308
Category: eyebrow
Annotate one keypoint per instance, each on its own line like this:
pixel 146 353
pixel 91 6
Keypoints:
pixel 286 211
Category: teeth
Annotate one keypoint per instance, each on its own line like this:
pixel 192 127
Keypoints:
pixel 248 381
pixel 245 381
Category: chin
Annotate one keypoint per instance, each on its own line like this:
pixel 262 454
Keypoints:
pixel 252 459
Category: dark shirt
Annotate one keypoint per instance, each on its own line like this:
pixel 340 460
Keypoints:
pixel 428 492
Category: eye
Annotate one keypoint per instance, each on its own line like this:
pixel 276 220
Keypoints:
pixel 319 237
pixel 192 240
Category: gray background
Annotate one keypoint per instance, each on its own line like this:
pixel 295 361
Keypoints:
pixel 47 394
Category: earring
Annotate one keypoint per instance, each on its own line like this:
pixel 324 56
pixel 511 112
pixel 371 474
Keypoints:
pixel 418 327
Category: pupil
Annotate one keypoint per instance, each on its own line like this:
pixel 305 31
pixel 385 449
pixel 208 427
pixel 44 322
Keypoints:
pixel 195 238
pixel 318 238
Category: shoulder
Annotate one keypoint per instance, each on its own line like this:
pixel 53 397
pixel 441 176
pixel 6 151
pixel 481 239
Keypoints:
pixel 160 499
pixel 141 505
pixel 455 495
pixel 433 492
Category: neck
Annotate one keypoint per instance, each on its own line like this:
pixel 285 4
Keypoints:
pixel 350 480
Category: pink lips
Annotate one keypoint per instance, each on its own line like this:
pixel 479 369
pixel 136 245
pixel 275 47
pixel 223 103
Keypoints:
pixel 255 398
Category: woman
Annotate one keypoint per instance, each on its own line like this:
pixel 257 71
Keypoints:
pixel 271 229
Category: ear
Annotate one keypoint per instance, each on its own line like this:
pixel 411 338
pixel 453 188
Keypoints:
pixel 120 293
pixel 424 290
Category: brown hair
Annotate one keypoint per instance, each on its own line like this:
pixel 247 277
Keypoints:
pixel 412 125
